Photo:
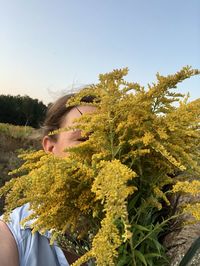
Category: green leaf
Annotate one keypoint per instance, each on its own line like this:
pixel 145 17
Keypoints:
pixel 141 228
pixel 151 255
pixel 150 262
pixel 125 260
pixel 140 256
pixel 157 245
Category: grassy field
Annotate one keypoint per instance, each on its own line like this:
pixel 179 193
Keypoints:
pixel 16 131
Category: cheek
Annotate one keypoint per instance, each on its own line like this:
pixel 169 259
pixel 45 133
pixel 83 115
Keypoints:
pixel 63 142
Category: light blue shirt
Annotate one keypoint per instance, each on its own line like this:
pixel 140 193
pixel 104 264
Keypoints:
pixel 34 249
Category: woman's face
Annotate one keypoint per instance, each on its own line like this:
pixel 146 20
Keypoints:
pixel 69 138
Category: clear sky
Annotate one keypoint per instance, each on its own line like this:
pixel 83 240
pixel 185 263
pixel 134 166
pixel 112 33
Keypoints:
pixel 49 46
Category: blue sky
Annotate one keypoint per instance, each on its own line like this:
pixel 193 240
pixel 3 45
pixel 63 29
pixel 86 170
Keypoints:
pixel 48 47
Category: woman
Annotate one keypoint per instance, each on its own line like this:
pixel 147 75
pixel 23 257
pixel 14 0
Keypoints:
pixel 18 246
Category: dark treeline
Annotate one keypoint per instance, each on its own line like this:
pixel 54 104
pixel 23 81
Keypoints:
pixel 21 110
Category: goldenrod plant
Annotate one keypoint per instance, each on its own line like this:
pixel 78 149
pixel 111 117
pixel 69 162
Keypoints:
pixel 108 194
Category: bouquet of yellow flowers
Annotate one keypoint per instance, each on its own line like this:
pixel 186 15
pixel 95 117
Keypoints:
pixel 110 191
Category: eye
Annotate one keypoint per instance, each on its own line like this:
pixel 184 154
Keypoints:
pixel 83 138
pixel 80 138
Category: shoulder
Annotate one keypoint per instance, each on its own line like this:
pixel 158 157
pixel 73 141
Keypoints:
pixel 16 216
pixel 13 233
pixel 32 248
pixel 9 238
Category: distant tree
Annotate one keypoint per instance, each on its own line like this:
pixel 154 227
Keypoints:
pixel 21 110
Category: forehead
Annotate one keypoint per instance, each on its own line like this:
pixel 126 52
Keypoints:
pixel 75 113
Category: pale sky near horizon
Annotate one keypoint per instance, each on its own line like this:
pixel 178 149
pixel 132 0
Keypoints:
pixel 48 46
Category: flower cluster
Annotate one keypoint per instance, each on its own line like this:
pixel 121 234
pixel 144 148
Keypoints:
pixel 113 185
